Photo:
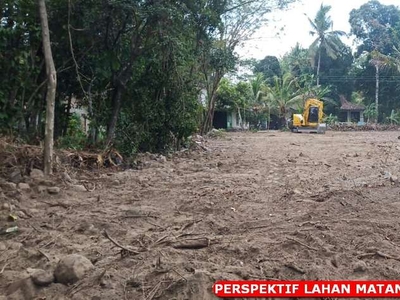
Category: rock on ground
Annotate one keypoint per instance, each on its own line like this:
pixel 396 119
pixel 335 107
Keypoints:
pixel 42 277
pixel 24 186
pixel 36 173
pixel 53 190
pixel 79 188
pixel 9 186
pixel 72 268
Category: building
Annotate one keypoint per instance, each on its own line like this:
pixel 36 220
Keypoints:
pixel 351 112
pixel 225 119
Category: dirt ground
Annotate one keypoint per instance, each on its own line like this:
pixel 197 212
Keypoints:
pixel 267 205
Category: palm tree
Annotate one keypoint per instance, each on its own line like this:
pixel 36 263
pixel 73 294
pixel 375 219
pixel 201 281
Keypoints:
pixel 258 87
pixel 327 39
pixel 283 95
pixel 257 84
pixel 380 62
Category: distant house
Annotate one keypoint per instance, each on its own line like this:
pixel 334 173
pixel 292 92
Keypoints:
pixel 225 119
pixel 351 112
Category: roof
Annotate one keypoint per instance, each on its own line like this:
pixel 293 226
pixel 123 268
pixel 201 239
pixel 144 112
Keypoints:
pixel 346 105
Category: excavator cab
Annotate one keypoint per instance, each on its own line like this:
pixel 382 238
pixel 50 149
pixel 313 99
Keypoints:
pixel 313 114
pixel 311 119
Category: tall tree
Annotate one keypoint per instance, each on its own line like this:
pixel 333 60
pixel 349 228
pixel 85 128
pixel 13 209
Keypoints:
pixel 380 62
pixel 269 66
pixel 296 61
pixel 283 95
pixel 327 39
pixel 51 89
pixel 372 24
pixel 240 19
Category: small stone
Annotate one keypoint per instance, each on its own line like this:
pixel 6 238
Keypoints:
pixel 41 189
pixel 36 173
pixel 66 177
pixel 394 179
pixel 360 266
pixel 53 190
pixel 9 186
pixel 42 278
pixel 16 176
pixel 21 214
pixel 24 186
pixel 5 206
pixel 72 268
pixel 387 175
pixel 162 159
pixel 79 188
pixel 296 191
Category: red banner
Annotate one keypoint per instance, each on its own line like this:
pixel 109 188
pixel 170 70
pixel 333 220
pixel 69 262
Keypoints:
pixel 307 289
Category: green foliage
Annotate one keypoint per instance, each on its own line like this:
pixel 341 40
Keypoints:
pixel 296 61
pixel 357 97
pixel 327 40
pixel 331 119
pixel 372 24
pixel 75 138
pixel 269 67
pixel 370 112
pixel 394 117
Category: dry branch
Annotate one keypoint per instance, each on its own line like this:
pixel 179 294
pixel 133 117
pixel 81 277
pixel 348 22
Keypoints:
pixel 4 267
pixel 105 233
pixel 380 254
pixel 192 244
pixel 301 243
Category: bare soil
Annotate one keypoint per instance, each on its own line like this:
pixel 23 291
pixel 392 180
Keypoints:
pixel 268 205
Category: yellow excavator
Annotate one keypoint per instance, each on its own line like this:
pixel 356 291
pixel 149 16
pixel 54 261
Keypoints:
pixel 311 121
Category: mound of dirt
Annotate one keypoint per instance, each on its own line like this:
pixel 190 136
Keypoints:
pixel 365 127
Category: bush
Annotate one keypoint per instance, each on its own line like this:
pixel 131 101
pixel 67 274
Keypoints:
pixel 76 138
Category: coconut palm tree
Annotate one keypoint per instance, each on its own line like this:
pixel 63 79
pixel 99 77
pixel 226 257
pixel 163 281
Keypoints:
pixel 327 39
pixel 380 62
pixel 283 95
pixel 258 88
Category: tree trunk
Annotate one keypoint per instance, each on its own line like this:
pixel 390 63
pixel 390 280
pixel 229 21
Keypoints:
pixel 319 64
pixel 377 91
pixel 211 95
pixel 240 118
pixel 116 101
pixel 51 90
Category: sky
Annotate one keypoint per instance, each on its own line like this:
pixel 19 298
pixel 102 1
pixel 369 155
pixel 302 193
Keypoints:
pixel 270 40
